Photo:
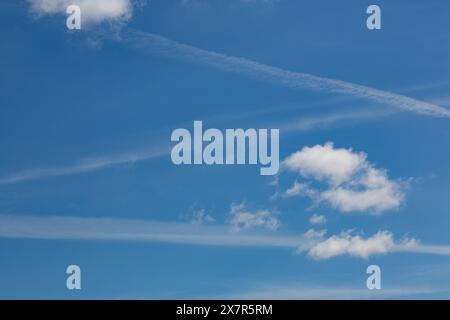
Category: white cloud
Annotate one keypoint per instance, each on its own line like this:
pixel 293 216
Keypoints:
pixel 119 229
pixel 296 189
pixel 153 43
pixel 86 165
pixel 338 118
pixel 351 182
pixel 380 243
pixel 353 245
pixel 115 229
pixel 310 238
pixel 377 196
pixel 92 11
pixel 291 79
pixel 317 219
pixel 242 218
pixel 200 217
pixel 325 163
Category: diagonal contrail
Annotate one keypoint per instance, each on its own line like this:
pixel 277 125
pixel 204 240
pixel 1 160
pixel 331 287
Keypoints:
pixel 84 165
pixel 296 80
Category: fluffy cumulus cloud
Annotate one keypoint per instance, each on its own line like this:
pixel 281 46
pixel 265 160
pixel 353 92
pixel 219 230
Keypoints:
pixel 243 218
pixel 351 182
pixel 376 193
pixel 346 243
pixel 325 163
pixel 353 245
pixel 92 11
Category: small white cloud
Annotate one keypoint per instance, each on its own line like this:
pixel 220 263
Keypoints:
pixel 371 191
pixel 242 218
pixel 317 219
pixel 300 189
pixel 325 163
pixel 295 190
pixel 92 11
pixel 353 245
pixel 201 217
pixel 352 183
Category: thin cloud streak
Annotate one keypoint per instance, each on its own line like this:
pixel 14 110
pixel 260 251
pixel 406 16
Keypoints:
pixel 296 80
pixel 110 229
pixel 93 164
pixel 82 166
pixel 330 119
pixel 115 229
pixel 423 248
pixel 302 292
pixel 259 71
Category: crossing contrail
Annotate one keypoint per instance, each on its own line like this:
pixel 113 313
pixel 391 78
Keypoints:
pixel 156 44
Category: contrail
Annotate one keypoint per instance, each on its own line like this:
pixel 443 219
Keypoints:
pixel 296 80
pixel 98 163
pixel 113 229
pixel 84 165
pixel 321 121
pixel 424 248
pixel 118 229
pixel 163 46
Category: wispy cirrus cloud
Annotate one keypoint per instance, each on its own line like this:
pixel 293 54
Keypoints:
pixel 201 217
pixel 91 164
pixel 84 165
pixel 157 44
pixel 94 163
pixel 296 80
pixel 114 229
pixel 95 11
pixel 330 119
pixel 301 291
pixel 315 243
pixel 241 217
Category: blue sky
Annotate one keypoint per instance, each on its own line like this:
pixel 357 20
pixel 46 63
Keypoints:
pixel 86 176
